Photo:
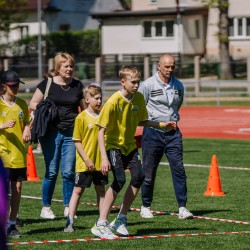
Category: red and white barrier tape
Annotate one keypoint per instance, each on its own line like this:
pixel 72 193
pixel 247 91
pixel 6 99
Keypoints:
pixel 125 238
pixel 153 211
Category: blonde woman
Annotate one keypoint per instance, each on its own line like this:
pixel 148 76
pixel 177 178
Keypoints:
pixel 58 146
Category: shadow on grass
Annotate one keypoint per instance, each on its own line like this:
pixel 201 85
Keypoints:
pixel 198 212
pixel 205 212
pixel 53 229
pixel 155 231
pixel 191 151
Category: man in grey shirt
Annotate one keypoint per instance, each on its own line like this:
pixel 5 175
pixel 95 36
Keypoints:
pixel 163 95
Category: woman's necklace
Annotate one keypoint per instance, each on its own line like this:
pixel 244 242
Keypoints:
pixel 63 87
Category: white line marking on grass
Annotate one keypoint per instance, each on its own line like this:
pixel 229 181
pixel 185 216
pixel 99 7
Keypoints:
pixel 126 238
pixel 206 166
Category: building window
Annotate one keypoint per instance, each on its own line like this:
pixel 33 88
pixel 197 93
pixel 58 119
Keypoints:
pixel 239 27
pixel 170 28
pixel 248 26
pixel 147 28
pixel 24 31
pixel 64 27
pixel 231 27
pixel 158 28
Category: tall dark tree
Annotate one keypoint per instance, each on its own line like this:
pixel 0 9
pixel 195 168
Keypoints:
pixel 223 34
pixel 10 12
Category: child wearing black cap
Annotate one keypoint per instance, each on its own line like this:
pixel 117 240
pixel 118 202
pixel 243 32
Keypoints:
pixel 14 133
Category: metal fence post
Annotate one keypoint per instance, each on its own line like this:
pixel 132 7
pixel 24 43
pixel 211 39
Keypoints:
pixel 218 93
pixel 146 67
pixel 197 74
pixel 98 70
pixel 50 64
pixel 6 64
pixel 248 74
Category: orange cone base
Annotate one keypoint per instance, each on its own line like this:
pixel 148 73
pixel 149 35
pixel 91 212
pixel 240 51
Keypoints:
pixel 33 179
pixel 213 193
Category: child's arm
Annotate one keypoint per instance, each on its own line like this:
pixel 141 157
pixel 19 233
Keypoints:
pixel 148 123
pixel 105 166
pixel 89 164
pixel 26 133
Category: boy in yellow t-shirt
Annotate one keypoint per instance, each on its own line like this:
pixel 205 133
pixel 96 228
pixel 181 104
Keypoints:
pixel 88 157
pixel 117 122
pixel 14 132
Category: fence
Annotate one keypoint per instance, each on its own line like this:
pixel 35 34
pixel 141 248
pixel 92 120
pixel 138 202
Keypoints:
pixel 208 88
pixel 104 71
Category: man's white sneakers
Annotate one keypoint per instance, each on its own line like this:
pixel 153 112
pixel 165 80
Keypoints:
pixel 185 214
pixel 146 212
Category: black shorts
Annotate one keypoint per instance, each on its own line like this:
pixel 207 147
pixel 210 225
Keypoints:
pixel 84 179
pixel 119 160
pixel 17 174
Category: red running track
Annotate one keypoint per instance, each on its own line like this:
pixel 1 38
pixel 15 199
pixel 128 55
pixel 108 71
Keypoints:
pixel 213 122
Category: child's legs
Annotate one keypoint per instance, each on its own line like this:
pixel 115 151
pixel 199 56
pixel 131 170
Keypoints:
pixel 16 188
pixel 99 181
pixel 74 201
pixel 100 195
pixel 137 176
pixel 15 178
pixel 107 204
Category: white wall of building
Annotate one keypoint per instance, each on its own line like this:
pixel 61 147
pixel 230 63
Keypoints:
pixel 123 38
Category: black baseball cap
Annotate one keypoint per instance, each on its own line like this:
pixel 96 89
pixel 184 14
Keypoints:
pixel 10 77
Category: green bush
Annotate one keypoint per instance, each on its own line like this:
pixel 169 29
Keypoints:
pixel 75 43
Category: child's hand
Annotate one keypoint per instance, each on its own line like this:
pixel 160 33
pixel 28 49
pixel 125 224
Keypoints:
pixel 172 125
pixel 89 164
pixel 26 134
pixel 9 124
pixel 105 167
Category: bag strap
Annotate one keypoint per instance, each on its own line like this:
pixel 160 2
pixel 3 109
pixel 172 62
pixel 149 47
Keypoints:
pixel 47 87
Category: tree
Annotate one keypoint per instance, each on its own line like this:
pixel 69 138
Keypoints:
pixel 126 4
pixel 223 34
pixel 8 9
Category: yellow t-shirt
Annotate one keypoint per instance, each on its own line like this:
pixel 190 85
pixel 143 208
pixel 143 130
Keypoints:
pixel 86 131
pixel 120 117
pixel 12 146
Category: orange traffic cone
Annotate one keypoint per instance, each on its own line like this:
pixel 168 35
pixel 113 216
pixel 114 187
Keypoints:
pixel 31 166
pixel 214 185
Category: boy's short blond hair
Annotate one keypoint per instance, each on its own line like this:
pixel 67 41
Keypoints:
pixel 128 72
pixel 92 90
